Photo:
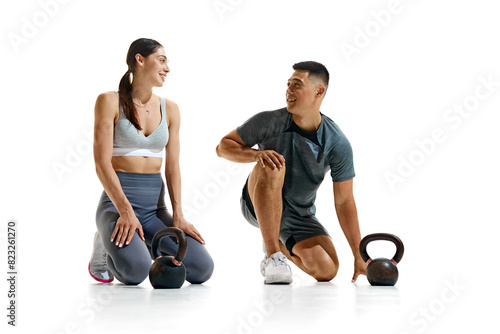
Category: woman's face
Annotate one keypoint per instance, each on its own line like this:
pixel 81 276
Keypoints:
pixel 155 67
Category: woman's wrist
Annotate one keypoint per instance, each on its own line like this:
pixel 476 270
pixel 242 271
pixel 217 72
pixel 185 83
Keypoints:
pixel 177 216
pixel 177 211
pixel 126 212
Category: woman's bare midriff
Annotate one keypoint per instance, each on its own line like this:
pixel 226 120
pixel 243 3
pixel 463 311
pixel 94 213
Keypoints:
pixel 145 165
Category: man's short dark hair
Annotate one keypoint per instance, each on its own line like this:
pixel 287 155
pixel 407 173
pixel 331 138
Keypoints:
pixel 315 69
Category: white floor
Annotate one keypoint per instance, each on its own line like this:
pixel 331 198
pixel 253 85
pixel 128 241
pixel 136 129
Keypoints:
pixel 241 303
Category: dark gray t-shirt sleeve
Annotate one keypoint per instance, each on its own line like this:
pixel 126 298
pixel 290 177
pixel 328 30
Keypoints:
pixel 341 161
pixel 261 127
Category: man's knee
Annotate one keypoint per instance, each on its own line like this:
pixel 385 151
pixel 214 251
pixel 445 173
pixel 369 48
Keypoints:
pixel 270 175
pixel 319 264
pixel 327 273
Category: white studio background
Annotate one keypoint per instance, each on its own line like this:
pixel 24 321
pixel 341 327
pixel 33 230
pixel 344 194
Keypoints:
pixel 416 91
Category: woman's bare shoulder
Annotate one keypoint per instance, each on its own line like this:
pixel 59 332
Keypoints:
pixel 171 104
pixel 107 104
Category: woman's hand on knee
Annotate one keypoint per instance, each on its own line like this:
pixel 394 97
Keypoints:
pixel 188 228
pixel 125 228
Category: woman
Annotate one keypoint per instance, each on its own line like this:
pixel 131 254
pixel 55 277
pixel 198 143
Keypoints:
pixel 132 126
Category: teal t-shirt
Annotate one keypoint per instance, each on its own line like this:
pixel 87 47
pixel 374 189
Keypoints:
pixel 308 156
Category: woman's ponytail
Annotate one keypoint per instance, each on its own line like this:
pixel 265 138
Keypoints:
pixel 144 47
pixel 126 103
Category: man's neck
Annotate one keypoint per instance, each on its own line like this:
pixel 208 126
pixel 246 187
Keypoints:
pixel 309 122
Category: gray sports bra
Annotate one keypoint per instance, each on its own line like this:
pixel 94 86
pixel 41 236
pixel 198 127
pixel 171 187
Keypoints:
pixel 128 141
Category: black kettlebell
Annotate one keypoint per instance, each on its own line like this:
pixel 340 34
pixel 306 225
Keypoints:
pixel 164 274
pixel 382 271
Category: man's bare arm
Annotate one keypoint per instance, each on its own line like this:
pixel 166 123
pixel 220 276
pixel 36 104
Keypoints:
pixel 232 148
pixel 345 206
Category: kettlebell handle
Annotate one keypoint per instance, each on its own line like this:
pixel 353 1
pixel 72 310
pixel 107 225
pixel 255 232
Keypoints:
pixel 173 232
pixel 381 236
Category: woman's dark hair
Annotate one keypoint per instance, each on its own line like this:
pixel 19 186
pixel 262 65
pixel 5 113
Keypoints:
pixel 145 47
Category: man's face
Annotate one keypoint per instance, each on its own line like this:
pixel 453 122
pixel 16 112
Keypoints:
pixel 301 92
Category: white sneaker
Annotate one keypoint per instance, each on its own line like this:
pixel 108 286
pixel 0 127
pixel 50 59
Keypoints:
pixel 263 263
pixel 263 266
pixel 276 270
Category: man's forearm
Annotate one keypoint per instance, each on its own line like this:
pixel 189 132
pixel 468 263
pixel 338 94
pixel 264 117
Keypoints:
pixel 235 152
pixel 348 219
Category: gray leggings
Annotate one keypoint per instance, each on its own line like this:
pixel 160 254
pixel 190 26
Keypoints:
pixel 130 264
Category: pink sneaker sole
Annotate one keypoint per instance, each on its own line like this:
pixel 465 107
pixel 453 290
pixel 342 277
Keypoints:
pixel 100 280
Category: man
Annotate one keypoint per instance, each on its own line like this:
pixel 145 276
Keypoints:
pixel 297 146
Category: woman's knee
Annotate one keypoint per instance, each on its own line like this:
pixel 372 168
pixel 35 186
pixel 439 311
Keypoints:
pixel 201 270
pixel 198 262
pixel 132 269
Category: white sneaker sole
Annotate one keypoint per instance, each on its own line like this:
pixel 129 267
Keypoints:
pixel 279 279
